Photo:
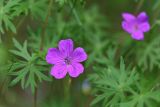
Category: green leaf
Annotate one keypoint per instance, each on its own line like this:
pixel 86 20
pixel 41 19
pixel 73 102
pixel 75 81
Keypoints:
pixel 149 56
pixel 61 2
pixel 7 14
pixel 112 84
pixel 98 99
pixel 22 50
pixel 28 69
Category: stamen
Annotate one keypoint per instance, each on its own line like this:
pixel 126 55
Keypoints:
pixel 67 61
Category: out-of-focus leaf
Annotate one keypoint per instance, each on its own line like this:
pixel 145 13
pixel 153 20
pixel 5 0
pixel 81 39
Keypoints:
pixel 28 69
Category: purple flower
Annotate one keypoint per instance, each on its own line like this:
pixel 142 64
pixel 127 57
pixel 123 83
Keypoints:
pixel 136 26
pixel 66 59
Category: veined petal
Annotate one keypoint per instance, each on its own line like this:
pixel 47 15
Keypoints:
pixel 75 69
pixel 138 35
pixel 54 56
pixel 142 17
pixel 127 26
pixel 128 17
pixel 79 55
pixel 59 71
pixel 145 27
pixel 66 47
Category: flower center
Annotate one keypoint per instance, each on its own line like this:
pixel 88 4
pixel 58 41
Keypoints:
pixel 67 61
pixel 135 27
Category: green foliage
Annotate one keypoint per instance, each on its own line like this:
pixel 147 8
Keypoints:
pixel 113 84
pixel 3 55
pixel 94 33
pixel 27 69
pixel 56 103
pixel 122 88
pixel 143 98
pixel 62 2
pixel 14 8
pixel 35 8
pixel 156 5
pixel 149 56
pixel 7 13
pixel 51 41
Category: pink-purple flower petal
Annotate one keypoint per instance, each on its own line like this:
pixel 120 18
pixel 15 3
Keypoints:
pixel 66 47
pixel 128 17
pixel 54 56
pixel 136 26
pixel 75 69
pixel 142 17
pixel 127 27
pixel 59 71
pixel 66 60
pixel 138 35
pixel 145 27
pixel 79 55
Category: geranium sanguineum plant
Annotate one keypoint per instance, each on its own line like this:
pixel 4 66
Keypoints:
pixel 66 60
pixel 136 25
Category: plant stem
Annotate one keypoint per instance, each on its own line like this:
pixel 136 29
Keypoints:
pixel 75 13
pixel 139 6
pixel 67 83
pixel 156 15
pixel 20 23
pixel 42 43
pixel 35 98
pixel 3 83
pixel 5 79
pixel 45 24
pixel 0 38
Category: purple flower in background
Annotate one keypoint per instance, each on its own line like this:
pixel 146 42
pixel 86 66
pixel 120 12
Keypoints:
pixel 136 26
pixel 66 59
